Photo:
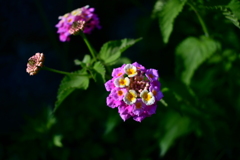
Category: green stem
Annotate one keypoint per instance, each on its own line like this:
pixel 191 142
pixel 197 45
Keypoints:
pixel 61 72
pixel 92 51
pixel 200 20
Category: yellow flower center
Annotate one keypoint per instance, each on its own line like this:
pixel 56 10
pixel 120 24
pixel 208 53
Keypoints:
pixel 122 82
pixel 147 97
pixel 131 71
pixel 130 97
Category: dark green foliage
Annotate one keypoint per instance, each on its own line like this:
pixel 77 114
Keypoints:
pixel 230 11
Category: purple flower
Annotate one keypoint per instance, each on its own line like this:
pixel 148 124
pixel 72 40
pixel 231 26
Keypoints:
pixel 138 107
pixel 139 66
pixel 156 92
pixel 118 93
pixel 152 74
pixel 82 19
pixel 111 102
pixel 134 90
pixel 109 85
pixel 118 72
pixel 35 63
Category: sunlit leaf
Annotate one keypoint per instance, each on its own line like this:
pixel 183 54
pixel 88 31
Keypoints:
pixel 167 11
pixel 100 69
pixel 191 53
pixel 85 62
pixel 122 60
pixel 57 140
pixel 112 50
pixel 234 5
pixel 86 59
pixel 158 6
pixel 76 80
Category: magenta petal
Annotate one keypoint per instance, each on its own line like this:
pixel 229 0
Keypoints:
pixel 155 83
pixel 118 72
pixel 151 109
pixel 115 95
pixel 125 116
pixel 139 66
pixel 109 85
pixel 125 109
pixel 140 118
pixel 156 92
pixel 152 74
pixel 159 95
pixel 63 38
pixel 112 102
pixel 140 110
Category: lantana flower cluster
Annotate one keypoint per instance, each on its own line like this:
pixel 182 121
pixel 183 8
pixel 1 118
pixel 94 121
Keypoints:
pixel 35 63
pixel 81 19
pixel 134 90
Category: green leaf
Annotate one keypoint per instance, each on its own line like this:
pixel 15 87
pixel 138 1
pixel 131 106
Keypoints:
pixel 175 126
pixel 231 12
pixel 76 80
pixel 111 123
pixel 86 59
pixel 234 5
pixel 85 62
pixel 123 60
pixel 167 11
pixel 112 50
pixel 57 140
pixel 191 53
pixel 100 69
pixel 158 8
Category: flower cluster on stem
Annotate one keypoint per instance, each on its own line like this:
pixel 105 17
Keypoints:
pixel 134 90
pixel 82 19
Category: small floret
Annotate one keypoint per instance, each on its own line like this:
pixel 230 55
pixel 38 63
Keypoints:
pixel 35 63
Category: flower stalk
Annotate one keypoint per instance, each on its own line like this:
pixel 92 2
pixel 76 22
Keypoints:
pixel 56 71
pixel 91 49
pixel 204 27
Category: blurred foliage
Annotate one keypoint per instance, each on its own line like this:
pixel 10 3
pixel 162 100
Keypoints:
pixel 199 79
